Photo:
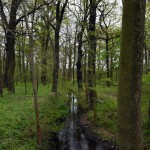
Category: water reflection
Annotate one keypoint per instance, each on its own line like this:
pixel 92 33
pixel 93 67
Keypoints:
pixel 72 137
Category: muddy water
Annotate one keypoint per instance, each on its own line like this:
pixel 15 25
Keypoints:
pixel 72 136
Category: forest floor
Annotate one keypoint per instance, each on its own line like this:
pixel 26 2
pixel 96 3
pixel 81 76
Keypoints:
pixel 17 119
pixel 105 125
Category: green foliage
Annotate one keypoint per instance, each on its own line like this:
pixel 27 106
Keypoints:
pixel 145 108
pixel 106 115
pixel 17 121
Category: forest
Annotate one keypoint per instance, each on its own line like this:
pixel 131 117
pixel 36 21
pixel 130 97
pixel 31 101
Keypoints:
pixel 74 74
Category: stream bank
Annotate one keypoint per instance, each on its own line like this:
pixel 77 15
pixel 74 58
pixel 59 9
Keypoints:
pixel 77 135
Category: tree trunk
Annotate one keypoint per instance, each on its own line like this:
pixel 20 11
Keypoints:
pixel 44 59
pixel 59 18
pixel 24 72
pixel 107 61
pixel 33 73
pixel 1 81
pixel 74 55
pixel 44 69
pixel 92 95
pixel 20 65
pixel 85 67
pixel 131 63
pixel 70 61
pixel 56 61
pixel 64 64
pixel 79 62
pixel 10 47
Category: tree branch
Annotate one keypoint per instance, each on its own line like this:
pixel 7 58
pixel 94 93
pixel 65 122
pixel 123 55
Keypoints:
pixel 32 11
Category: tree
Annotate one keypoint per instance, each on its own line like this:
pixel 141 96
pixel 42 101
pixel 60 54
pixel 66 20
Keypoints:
pixel 92 95
pixel 33 72
pixel 107 22
pixel 59 17
pixel 83 23
pixel 129 93
pixel 1 81
pixel 10 28
pixel 147 37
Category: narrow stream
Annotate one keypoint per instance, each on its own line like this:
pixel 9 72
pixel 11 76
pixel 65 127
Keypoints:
pixel 72 137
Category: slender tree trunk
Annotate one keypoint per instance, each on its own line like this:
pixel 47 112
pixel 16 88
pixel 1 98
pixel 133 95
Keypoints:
pixel 44 58
pixel 111 66
pixel 80 51
pixel 85 67
pixel 70 61
pixel 20 65
pixel 131 63
pixel 79 62
pixel 74 55
pixel 107 62
pixel 24 72
pixel 44 69
pixel 64 64
pixel 1 74
pixel 92 95
pixel 59 18
pixel 56 61
pixel 33 73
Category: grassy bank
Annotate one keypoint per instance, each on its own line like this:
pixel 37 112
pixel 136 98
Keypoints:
pixel 17 119
pixel 106 122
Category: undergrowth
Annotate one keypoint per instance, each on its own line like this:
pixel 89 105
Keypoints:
pixel 106 122
pixel 17 119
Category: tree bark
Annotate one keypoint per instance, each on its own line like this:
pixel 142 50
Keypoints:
pixel 10 47
pixel 80 51
pixel 92 95
pixel 70 60
pixel 33 73
pixel 131 64
pixel 59 18
pixel 107 61
pixel 1 81
pixel 44 58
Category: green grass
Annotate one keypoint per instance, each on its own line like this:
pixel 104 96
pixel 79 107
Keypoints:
pixel 106 122
pixel 17 119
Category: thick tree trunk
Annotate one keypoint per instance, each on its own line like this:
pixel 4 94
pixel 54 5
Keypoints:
pixel 131 63
pixel 10 47
pixel 10 61
pixel 92 95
